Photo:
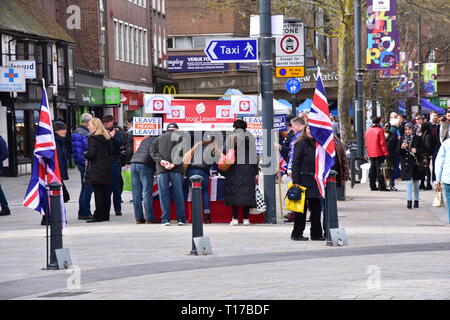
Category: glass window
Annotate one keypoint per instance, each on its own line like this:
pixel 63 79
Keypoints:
pixel 199 42
pixel 116 39
pixel 136 45
pixel 70 67
pixel 126 43
pixel 145 47
pixel 183 42
pixel 20 51
pixel 155 48
pixel 39 61
pixel 131 40
pixel 61 67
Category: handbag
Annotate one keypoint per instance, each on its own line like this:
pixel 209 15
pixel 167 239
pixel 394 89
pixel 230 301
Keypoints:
pixel 438 200
pixel 294 192
pixel 296 205
pixel 126 177
pixel 260 203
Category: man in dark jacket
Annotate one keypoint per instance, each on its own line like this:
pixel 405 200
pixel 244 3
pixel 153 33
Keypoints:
pixel 168 169
pixel 142 172
pixel 116 142
pixel 79 146
pixel 4 154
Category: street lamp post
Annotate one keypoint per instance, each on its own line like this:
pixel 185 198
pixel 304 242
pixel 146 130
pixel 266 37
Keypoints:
pixel 359 81
pixel 265 10
pixel 419 61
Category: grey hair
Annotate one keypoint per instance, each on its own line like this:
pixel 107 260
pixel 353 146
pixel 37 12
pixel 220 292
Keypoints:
pixel 86 117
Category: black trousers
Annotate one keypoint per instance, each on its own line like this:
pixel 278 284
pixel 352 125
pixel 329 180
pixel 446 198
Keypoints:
pixel 376 174
pixel 236 211
pixel 102 202
pixel 315 209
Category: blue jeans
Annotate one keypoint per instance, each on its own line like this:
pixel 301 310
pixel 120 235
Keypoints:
pixel 410 185
pixel 164 195
pixel 447 195
pixel 142 184
pixel 115 189
pixel 205 186
pixel 84 201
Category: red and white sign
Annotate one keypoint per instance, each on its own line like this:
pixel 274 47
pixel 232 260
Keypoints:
pixel 202 115
pixel 176 113
pixel 244 104
pixel 157 103
pixel 133 99
pixel 137 142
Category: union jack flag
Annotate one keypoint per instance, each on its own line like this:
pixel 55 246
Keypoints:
pixel 45 163
pixel 322 131
pixel 283 166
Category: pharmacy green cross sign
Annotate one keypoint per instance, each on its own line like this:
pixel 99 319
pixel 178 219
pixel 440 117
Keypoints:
pixel 112 95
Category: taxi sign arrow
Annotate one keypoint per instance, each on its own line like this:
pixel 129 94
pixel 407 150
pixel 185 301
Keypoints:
pixel 232 50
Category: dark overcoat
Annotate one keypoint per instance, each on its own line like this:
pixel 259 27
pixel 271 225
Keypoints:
pixel 304 167
pixel 98 155
pixel 409 163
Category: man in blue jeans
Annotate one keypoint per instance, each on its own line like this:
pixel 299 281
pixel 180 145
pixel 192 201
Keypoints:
pixel 142 173
pixel 167 152
pixel 4 154
pixel 117 143
pixel 79 146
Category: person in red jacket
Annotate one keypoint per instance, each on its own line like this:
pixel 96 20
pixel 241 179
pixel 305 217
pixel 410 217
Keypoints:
pixel 377 152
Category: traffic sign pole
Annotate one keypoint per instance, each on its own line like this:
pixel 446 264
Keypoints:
pixel 267 108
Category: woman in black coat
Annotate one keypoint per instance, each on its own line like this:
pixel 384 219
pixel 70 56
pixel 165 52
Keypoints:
pixel 98 168
pixel 411 154
pixel 240 179
pixel 303 173
pixel 425 133
pixel 391 136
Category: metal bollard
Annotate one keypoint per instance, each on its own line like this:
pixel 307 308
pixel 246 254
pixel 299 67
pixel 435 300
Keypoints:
pixel 56 241
pixel 330 208
pixel 197 224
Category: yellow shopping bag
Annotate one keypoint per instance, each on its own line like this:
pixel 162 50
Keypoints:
pixel 299 205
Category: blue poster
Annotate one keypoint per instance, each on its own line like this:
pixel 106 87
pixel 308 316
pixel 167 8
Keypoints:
pixel 179 64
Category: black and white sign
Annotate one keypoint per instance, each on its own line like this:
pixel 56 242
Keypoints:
pixel 28 65
pixel 290 48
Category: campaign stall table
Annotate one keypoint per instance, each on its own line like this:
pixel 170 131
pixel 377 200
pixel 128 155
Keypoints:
pixel 219 212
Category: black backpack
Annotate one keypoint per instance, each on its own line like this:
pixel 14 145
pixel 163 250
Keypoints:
pixel 294 193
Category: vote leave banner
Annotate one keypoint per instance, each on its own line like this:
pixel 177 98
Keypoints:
pixel 201 115
pixel 383 38
pixel 244 104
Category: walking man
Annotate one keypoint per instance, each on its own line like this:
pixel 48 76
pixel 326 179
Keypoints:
pixel 170 169
pixel 4 154
pixel 79 146
pixel 377 152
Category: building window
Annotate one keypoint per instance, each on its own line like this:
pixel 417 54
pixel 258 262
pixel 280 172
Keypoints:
pixel 163 6
pixel 47 63
pixel 154 4
pixel 131 40
pixel 126 42
pixel 199 42
pixel 70 67
pixel 121 41
pixel 160 47
pixel 164 50
pixel 116 39
pixel 155 47
pixel 61 67
pixel 145 47
pixel 136 45
pixel 183 43
pixel 39 61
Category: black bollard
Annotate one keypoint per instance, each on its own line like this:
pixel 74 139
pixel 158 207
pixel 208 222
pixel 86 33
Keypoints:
pixel 330 209
pixel 56 241
pixel 197 224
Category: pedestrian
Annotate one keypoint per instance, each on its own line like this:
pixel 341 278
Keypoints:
pixel 411 153
pixel 167 152
pixel 298 124
pixel 393 158
pixel 341 163
pixel 240 179
pixel 98 169
pixel 199 161
pixel 377 152
pixel 443 171
pixel 303 174
pixel 444 133
pixel 117 143
pixel 79 146
pixel 435 131
pixel 425 133
pixel 4 154
pixel 143 169
pixel 418 124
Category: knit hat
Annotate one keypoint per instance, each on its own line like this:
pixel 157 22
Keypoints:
pixel 59 125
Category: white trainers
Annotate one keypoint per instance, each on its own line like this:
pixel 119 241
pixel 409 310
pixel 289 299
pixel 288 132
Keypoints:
pixel 180 223
pixel 246 222
pixel 234 222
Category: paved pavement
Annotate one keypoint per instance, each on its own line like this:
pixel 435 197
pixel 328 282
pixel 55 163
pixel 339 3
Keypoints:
pixel 393 253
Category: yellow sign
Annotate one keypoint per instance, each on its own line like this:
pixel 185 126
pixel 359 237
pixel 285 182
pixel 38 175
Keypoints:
pixel 169 89
pixel 289 72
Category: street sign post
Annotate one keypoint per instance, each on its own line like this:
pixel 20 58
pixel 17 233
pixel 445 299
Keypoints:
pixel 232 50
pixel 293 86
pixel 289 72
pixel 290 48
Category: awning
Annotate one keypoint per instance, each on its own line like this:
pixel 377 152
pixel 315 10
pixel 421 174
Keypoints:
pixel 429 106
